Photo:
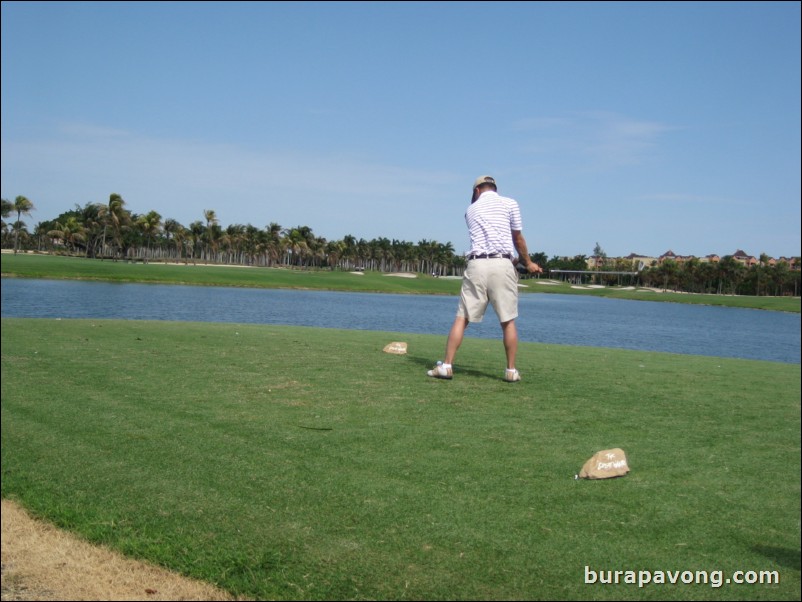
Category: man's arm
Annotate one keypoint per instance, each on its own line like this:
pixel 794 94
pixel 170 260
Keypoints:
pixel 523 253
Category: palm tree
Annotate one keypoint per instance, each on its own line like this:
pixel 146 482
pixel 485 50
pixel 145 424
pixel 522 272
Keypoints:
pixel 8 207
pixel 251 237
pixel 215 235
pixel 171 228
pixel 460 263
pixel 790 277
pixel 349 250
pixel 334 251
pixel 383 250
pixel 273 243
pixel 196 232
pixel 669 270
pixel 705 275
pixel 89 216
pixel 319 250
pixel 22 206
pixel 730 272
pixel 70 233
pixel 116 217
pixel 297 244
pixel 362 251
pixel 149 225
pixel 40 232
pixel 233 239
pixel 445 254
pixel 688 272
pixel 211 220
pixel 763 269
pixel 429 250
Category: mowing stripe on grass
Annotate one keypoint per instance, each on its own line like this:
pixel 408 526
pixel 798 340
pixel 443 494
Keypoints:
pixel 287 462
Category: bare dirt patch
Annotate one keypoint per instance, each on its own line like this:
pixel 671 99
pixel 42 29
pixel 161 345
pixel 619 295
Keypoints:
pixel 40 562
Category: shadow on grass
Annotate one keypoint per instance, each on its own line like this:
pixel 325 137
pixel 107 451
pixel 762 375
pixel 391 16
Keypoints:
pixel 786 557
pixel 428 363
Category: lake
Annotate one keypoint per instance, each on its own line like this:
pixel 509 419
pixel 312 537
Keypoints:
pixel 544 318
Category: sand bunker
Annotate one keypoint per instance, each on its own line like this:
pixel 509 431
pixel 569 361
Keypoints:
pixel 41 562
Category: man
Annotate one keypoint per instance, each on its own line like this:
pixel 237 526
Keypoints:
pixel 495 230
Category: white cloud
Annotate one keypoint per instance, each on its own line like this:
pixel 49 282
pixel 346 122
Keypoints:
pixel 333 194
pixel 608 140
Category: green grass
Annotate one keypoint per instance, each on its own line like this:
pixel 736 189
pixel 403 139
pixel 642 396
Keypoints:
pixel 48 266
pixel 299 463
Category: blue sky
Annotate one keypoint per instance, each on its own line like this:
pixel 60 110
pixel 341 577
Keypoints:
pixel 643 127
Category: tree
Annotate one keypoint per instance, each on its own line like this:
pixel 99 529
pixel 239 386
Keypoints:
pixel 40 232
pixel 70 233
pixel 688 272
pixel 669 270
pixel 705 276
pixel 23 207
pixel 274 246
pixel 599 254
pixel 383 251
pixel 8 207
pixel 730 273
pixel 117 219
pixel 89 216
pixel 234 240
pixel 350 250
pixel 149 225
pixel 298 242
pixel 762 273
pixel 196 234
pixel 539 258
pixel 445 257
pixel 211 220
pixel 171 229
pixel 334 251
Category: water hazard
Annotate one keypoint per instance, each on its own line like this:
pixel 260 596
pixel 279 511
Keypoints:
pixel 544 318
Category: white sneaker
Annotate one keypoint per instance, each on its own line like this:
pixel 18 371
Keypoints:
pixel 440 371
pixel 512 376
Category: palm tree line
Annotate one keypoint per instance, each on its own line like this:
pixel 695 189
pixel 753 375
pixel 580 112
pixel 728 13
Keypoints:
pixel 111 231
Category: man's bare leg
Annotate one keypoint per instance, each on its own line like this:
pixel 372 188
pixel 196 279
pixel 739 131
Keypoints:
pixel 510 332
pixel 455 337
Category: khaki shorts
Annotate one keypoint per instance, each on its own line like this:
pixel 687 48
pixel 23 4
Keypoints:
pixel 492 281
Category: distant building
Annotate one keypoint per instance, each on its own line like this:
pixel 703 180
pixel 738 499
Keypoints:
pixel 743 258
pixel 673 256
pixel 595 263
pixel 639 261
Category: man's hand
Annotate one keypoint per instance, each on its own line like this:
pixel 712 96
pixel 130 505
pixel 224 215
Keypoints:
pixel 530 268
pixel 523 255
pixel 534 268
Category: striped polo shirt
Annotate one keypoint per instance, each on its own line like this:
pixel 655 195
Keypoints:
pixel 491 219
